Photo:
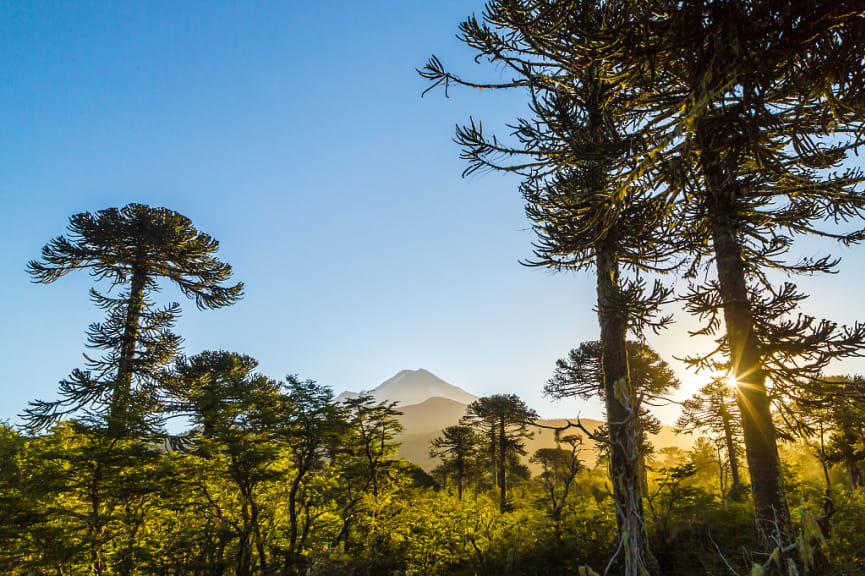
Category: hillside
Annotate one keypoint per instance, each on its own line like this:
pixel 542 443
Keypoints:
pixel 429 404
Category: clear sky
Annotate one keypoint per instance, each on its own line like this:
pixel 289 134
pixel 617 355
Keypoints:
pixel 295 134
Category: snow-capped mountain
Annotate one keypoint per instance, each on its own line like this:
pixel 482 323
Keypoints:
pixel 413 387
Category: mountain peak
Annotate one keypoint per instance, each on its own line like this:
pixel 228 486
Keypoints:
pixel 413 387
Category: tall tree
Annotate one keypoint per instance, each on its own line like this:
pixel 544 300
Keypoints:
pixel 572 153
pixel 132 248
pixel 308 424
pixel 237 412
pixel 511 417
pixel 713 409
pixel 743 145
pixel 457 447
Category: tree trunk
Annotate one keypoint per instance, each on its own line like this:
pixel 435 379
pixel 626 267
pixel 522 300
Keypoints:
pixel 503 486
pixel 460 465
pixel 823 459
pixel 259 541
pixel 493 467
pixel 854 473
pixel 244 556
pixel 728 440
pixel 767 486
pixel 119 412
pixel 292 516
pixel 634 555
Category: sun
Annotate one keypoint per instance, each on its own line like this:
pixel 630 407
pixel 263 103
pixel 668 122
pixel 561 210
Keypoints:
pixel 731 382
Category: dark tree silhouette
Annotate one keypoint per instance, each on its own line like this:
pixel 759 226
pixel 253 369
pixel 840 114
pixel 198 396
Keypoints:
pixel 457 447
pixel 713 409
pixel 589 208
pixel 749 153
pixel 508 417
pixel 132 248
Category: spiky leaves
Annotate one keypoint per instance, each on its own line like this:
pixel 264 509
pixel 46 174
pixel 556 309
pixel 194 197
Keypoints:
pixel 581 374
pixel 752 152
pixel 589 206
pixel 131 248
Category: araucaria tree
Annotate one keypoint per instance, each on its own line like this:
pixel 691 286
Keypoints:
pixel 713 409
pixel 505 417
pixel 748 148
pixel 457 447
pixel 588 207
pixel 581 374
pixel 132 248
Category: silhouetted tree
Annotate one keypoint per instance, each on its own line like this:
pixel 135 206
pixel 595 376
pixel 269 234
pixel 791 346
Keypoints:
pixel 511 417
pixel 133 248
pixel 457 447
pixel 581 374
pixel 712 409
pixel 745 149
pixel 573 154
pixel 560 467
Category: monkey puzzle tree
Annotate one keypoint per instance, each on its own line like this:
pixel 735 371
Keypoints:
pixel 750 152
pixel 713 409
pixel 508 417
pixel 573 153
pixel 457 447
pixel 132 248
pixel 581 374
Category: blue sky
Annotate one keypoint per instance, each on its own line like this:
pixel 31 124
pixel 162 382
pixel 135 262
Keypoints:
pixel 296 135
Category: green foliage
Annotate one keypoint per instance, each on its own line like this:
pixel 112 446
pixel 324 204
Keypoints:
pixel 458 448
pixel 659 134
pixel 504 420
pixel 132 248
pixel 76 502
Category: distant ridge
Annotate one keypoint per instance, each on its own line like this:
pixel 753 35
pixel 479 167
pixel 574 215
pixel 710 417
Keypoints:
pixel 429 404
pixel 413 387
